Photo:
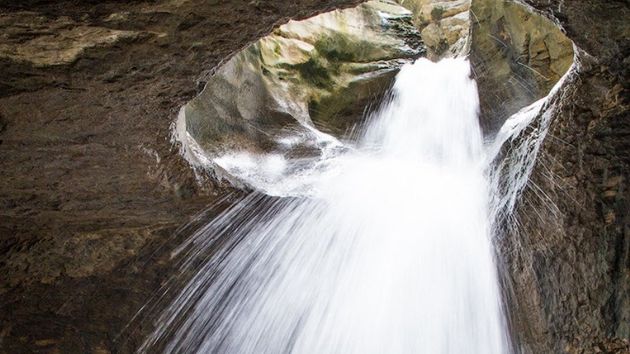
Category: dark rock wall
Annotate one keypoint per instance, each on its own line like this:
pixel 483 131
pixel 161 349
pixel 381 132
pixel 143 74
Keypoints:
pixel 90 185
pixel 571 268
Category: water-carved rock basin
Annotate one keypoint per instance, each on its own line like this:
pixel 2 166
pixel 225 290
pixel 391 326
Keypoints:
pixel 303 90
pixel 282 105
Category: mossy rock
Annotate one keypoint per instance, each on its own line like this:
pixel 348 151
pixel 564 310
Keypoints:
pixel 339 112
pixel 313 72
pixel 322 70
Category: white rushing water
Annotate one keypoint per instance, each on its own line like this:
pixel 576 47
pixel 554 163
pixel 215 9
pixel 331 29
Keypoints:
pixel 382 248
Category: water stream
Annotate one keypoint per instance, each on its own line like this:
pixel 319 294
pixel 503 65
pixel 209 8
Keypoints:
pixel 380 247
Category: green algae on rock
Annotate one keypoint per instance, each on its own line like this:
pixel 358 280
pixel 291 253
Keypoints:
pixel 321 71
pixel 518 56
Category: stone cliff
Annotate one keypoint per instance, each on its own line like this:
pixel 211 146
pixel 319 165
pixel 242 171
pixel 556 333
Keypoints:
pixel 93 191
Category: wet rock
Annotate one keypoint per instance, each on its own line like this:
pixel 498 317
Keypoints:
pixel 569 261
pixel 75 130
pixel 445 25
pixel 517 56
pixel 91 187
pixel 322 71
pixel 36 39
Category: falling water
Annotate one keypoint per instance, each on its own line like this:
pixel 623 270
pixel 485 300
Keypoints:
pixel 383 247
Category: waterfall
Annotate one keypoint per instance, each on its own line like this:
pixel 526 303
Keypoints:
pixel 381 246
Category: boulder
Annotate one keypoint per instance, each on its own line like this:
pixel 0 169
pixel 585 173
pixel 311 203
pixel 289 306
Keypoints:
pixel 517 56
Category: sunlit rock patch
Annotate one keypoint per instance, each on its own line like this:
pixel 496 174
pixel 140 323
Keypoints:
pixel 318 72
pixel 517 55
pixel 444 24
pixel 55 42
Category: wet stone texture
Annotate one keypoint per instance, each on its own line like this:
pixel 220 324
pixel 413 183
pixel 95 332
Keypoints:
pixel 517 55
pixel 91 188
pixel 92 191
pixel 570 262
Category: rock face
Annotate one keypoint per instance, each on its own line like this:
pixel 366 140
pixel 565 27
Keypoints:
pixel 517 56
pixel 570 263
pixel 445 25
pixel 92 190
pixel 59 41
pixel 319 72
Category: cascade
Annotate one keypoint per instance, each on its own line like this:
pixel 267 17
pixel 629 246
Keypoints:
pixel 382 245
